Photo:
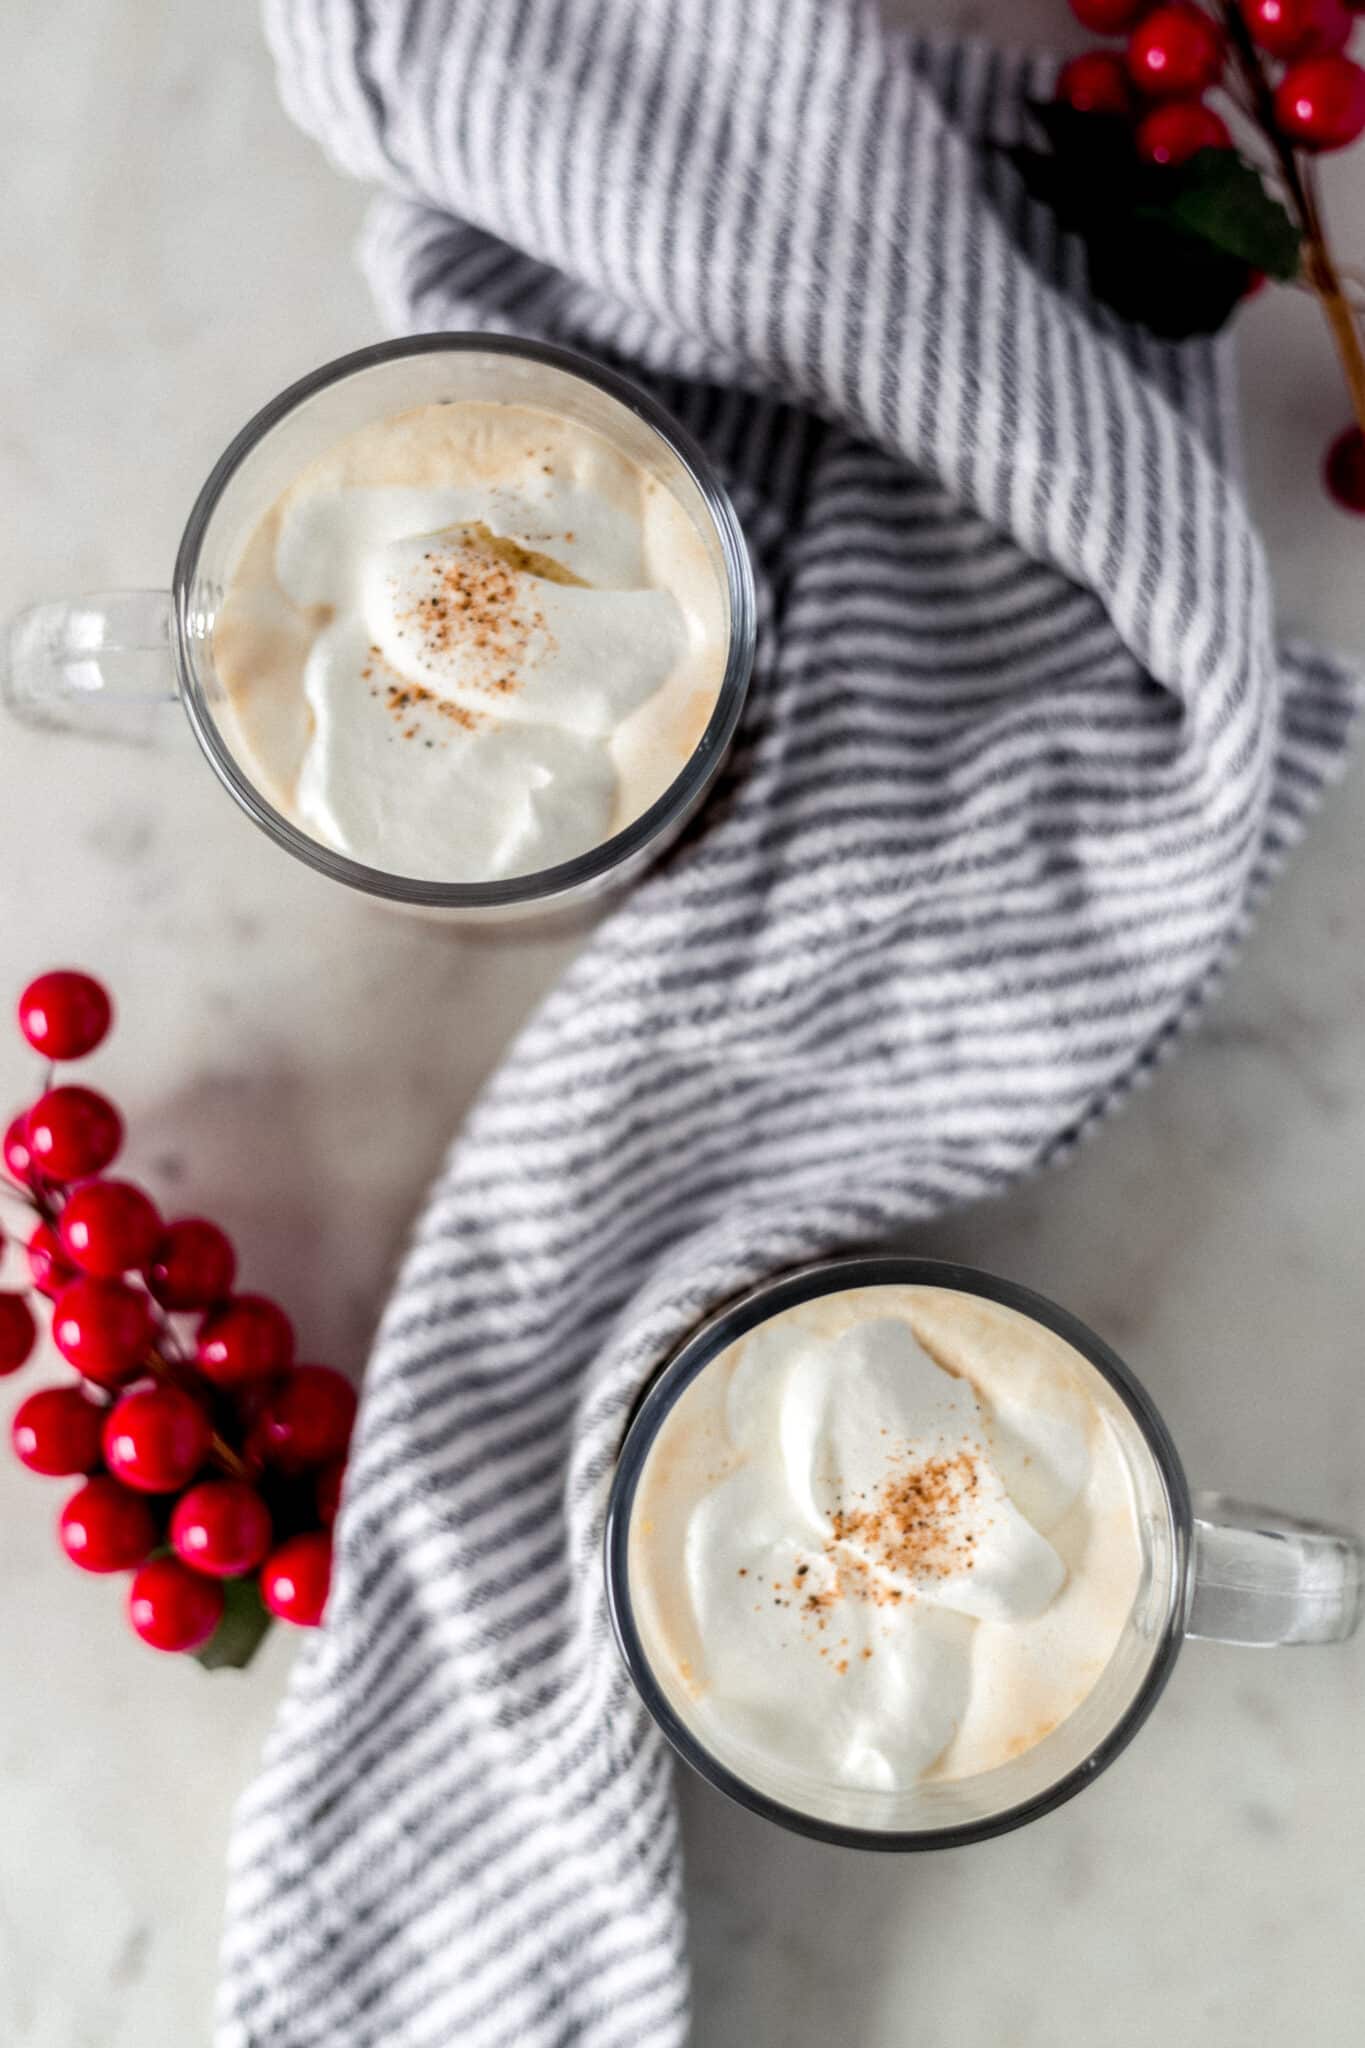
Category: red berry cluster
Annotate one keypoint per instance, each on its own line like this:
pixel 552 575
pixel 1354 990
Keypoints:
pixel 205 1453
pixel 1306 97
pixel 1175 53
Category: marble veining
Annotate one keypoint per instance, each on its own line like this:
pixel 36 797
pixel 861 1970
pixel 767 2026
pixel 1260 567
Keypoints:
pixel 295 1061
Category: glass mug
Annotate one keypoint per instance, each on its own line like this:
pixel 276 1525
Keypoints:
pixel 103 663
pixel 1210 1567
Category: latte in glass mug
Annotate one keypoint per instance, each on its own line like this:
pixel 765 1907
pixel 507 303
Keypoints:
pixel 471 641
pixel 890 1535
pixel 899 1554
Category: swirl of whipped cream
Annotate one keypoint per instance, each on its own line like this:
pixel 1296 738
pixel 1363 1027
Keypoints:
pixel 858 1563
pixel 465 683
pixel 471 642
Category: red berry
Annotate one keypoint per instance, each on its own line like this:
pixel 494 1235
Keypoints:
pixel 307 1420
pixel 18 1158
pixel 1345 469
pixel 156 1438
pixel 102 1327
pixel 1108 17
pixel 1178 129
pixel 46 1262
pixel 57 1431
pixel 18 1332
pixel 64 1013
pixel 248 1338
pixel 1320 103
pixel 295 1578
pixel 1175 52
pixel 104 1528
pixel 171 1607
pixel 327 1490
pixel 193 1265
pixel 109 1227
pixel 73 1132
pixel 1298 28
pixel 222 1527
pixel 1096 83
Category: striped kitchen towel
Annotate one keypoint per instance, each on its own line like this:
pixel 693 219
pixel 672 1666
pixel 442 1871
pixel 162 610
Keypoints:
pixel 1020 752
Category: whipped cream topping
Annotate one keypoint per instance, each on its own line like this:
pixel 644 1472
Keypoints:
pixel 471 642
pixel 872 1553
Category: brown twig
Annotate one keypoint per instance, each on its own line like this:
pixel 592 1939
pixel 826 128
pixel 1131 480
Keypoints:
pixel 1300 183
pixel 164 1364
pixel 223 1454
pixel 1326 282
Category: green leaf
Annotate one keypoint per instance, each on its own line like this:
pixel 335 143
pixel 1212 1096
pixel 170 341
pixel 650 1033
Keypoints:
pixel 1099 140
pixel 1165 280
pixel 1048 180
pixel 241 1631
pixel 1220 199
pixel 1173 249
pixel 1089 171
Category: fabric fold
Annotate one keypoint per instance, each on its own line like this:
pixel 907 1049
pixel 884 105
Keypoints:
pixel 1019 756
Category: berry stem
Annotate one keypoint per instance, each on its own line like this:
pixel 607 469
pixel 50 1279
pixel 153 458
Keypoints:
pixel 1326 282
pixel 223 1454
pixel 164 1364
pixel 34 1198
pixel 1301 190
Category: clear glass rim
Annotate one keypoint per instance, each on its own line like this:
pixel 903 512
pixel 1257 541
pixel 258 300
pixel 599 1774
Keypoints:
pixel 807 1284
pixel 568 876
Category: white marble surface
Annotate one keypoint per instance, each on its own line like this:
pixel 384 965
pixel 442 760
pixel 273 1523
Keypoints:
pixel 294 1061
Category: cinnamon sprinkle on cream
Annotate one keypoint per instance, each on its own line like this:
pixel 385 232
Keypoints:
pixel 479 603
pixel 913 1527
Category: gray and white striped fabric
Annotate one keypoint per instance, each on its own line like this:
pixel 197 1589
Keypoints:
pixel 1021 751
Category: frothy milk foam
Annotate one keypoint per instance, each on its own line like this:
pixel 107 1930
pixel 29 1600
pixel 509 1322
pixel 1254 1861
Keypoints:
pixel 890 1536
pixel 471 641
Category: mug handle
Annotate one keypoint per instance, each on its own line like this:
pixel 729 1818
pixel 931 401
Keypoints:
pixel 1260 1578
pixel 99 664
